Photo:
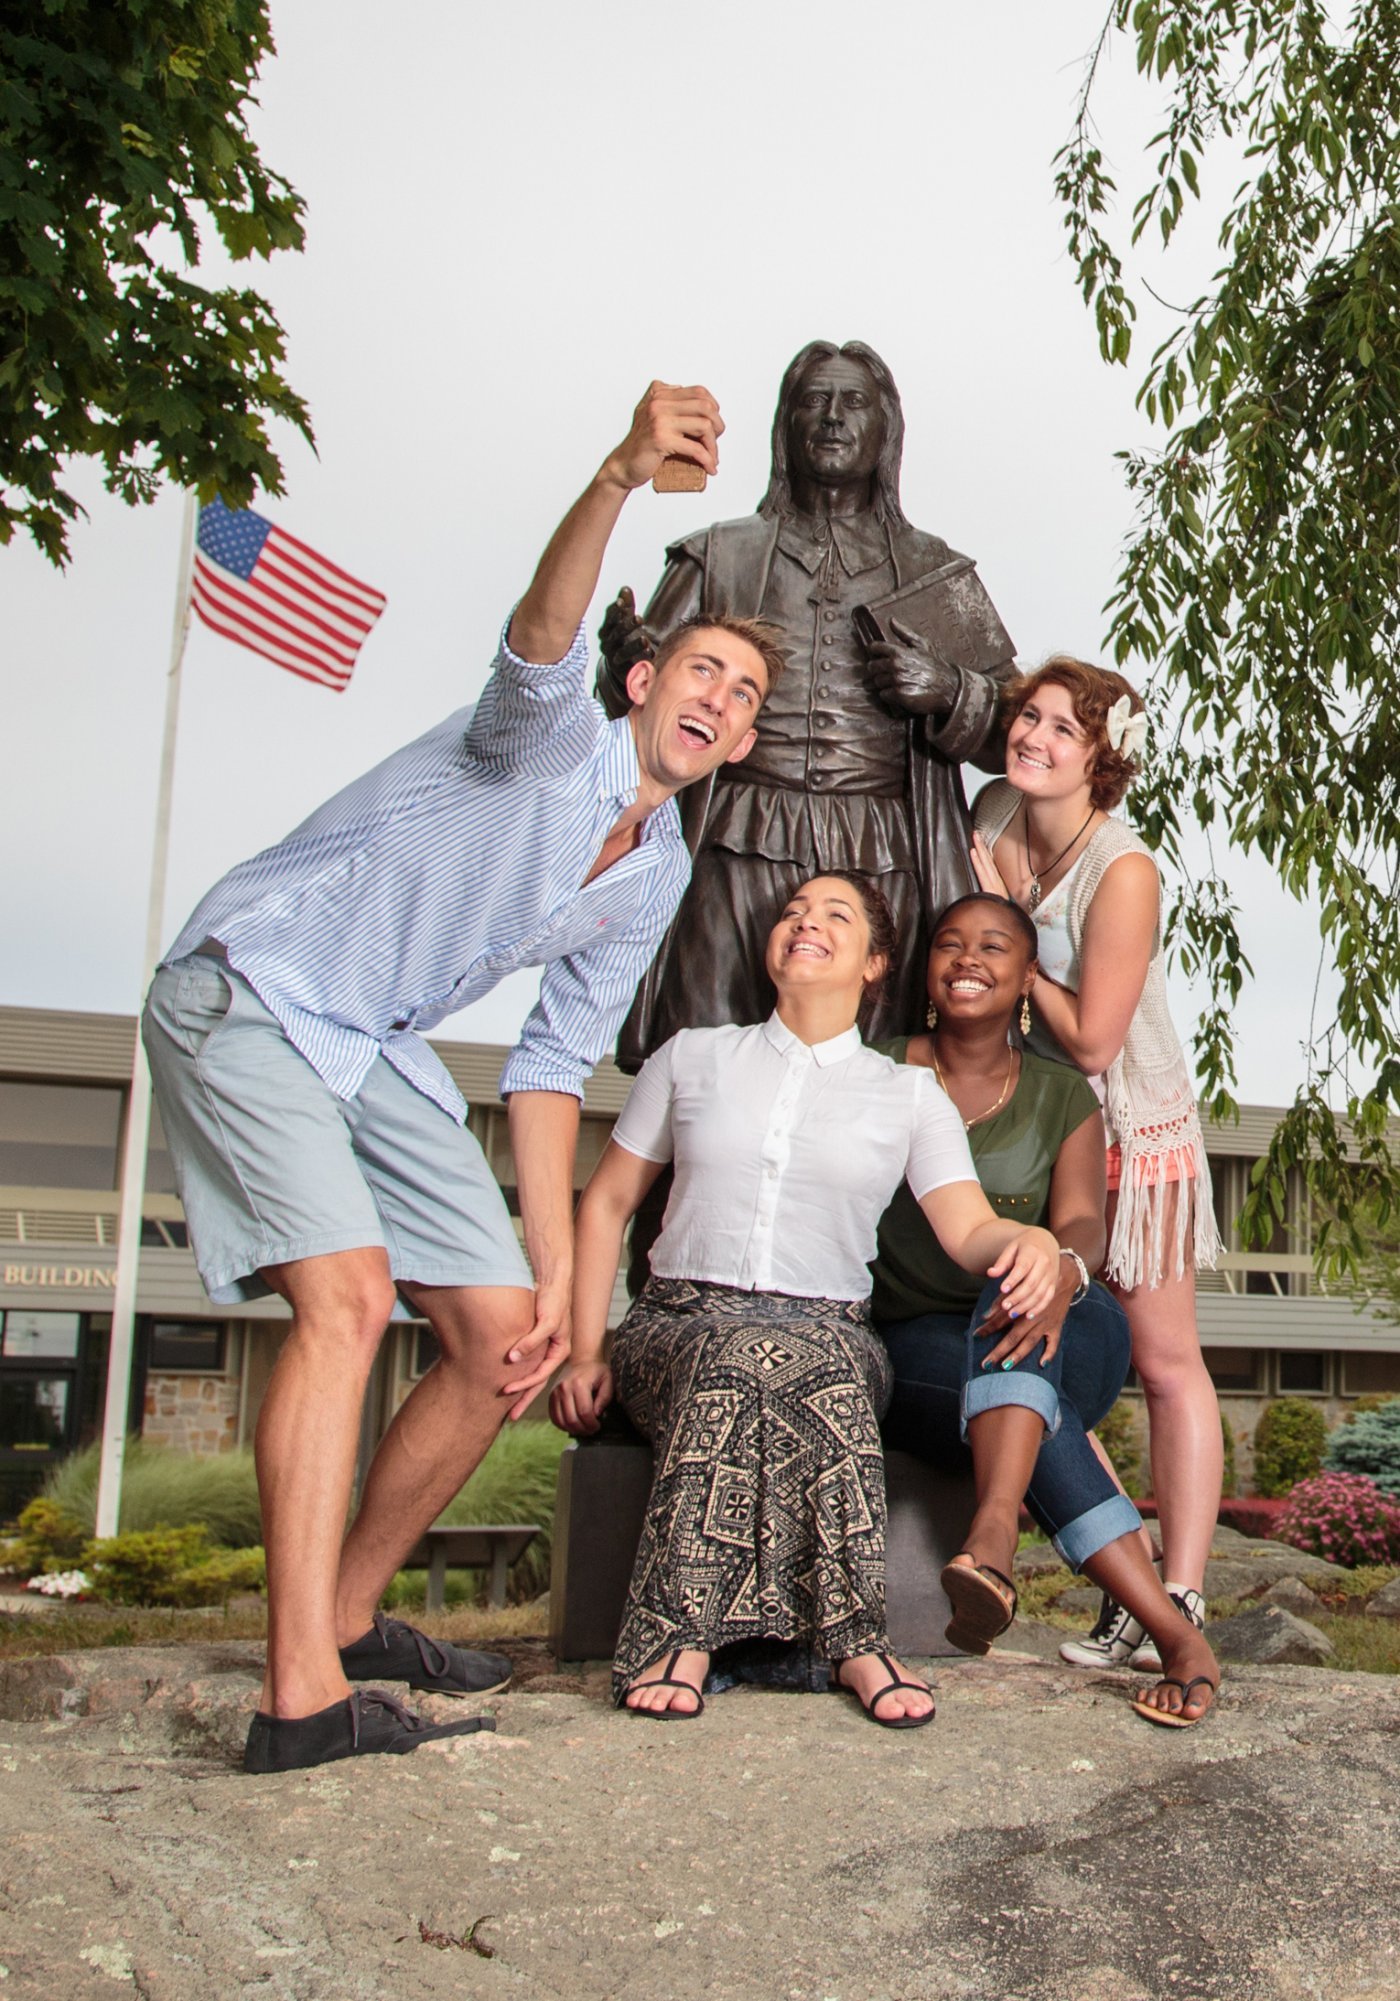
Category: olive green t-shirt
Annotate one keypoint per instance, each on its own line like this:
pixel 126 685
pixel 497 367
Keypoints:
pixel 1014 1155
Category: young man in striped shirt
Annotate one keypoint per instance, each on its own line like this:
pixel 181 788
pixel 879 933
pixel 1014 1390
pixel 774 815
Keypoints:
pixel 318 1141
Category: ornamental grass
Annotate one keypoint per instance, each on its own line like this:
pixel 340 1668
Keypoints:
pixel 163 1488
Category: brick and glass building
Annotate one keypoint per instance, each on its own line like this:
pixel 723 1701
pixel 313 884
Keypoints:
pixel 1268 1327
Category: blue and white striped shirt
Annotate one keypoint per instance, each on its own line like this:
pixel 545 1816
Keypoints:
pixel 457 860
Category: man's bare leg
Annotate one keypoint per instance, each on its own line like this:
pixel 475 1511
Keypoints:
pixel 305 1446
pixel 437 1438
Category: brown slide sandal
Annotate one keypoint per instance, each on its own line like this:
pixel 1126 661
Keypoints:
pixel 978 1596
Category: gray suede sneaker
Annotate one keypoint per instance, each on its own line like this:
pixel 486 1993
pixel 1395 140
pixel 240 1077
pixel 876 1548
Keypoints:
pixel 392 1650
pixel 369 1720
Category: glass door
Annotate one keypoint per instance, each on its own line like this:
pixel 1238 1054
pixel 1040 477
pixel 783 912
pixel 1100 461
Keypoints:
pixel 40 1363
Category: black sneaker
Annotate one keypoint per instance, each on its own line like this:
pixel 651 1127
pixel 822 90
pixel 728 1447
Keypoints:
pixel 367 1721
pixel 394 1651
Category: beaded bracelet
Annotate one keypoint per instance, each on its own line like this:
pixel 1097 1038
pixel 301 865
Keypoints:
pixel 1082 1291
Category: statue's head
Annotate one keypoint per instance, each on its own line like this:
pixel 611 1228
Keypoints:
pixel 839 421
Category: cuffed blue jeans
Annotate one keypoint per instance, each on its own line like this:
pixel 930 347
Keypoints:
pixel 940 1386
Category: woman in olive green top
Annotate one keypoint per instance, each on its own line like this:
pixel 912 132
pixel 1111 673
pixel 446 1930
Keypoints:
pixel 1022 1394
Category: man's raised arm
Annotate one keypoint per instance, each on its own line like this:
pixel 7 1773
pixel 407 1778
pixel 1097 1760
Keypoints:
pixel 668 422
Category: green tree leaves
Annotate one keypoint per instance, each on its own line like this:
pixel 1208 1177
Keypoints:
pixel 123 131
pixel 1260 581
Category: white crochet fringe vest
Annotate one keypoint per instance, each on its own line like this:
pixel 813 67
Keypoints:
pixel 1150 1102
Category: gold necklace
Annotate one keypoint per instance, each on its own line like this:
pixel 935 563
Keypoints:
pixel 1035 892
pixel 978 1118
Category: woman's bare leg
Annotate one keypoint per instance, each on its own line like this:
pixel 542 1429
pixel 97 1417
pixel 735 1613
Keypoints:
pixel 1185 1443
pixel 1183 1420
pixel 1004 1444
pixel 1122 1570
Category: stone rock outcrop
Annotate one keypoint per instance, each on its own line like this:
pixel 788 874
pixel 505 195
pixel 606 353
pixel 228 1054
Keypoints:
pixel 1386 1603
pixel 1294 1596
pixel 1267 1635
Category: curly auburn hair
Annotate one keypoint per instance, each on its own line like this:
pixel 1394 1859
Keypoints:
pixel 1092 692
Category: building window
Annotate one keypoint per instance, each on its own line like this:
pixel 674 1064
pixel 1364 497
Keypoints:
pixel 196 1345
pixel 1302 1373
pixel 164 1236
pixel 1235 1368
pixel 425 1348
pixel 36 1337
pixel 59 1135
pixel 1370 1375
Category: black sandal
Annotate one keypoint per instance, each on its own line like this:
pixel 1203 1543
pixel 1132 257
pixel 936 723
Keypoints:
pixel 839 1687
pixel 980 1612
pixel 667 1680
pixel 1176 1719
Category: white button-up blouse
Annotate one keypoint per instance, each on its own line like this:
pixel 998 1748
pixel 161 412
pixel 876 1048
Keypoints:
pixel 786 1154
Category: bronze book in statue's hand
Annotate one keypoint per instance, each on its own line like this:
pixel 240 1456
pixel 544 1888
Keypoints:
pixel 950 609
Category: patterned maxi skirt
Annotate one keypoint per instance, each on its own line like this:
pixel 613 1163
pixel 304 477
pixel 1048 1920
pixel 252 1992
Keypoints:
pixel 767 1510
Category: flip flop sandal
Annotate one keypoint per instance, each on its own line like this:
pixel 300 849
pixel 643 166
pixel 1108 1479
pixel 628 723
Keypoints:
pixel 667 1679
pixel 1173 1719
pixel 839 1687
pixel 980 1611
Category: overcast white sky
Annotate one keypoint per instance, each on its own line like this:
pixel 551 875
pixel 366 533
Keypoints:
pixel 518 216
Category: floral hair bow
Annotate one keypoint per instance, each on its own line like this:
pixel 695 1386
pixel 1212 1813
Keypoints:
pixel 1126 732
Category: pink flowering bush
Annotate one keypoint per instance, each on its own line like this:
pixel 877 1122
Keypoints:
pixel 1343 1517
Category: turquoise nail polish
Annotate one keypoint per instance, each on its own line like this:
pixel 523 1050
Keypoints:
pixel 1010 1362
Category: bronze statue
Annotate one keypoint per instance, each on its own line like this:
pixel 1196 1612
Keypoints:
pixel 895 660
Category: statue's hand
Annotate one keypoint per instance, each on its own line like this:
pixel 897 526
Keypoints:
pixel 622 637
pixel 910 675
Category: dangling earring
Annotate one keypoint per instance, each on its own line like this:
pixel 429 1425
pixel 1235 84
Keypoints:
pixel 932 1016
pixel 1025 1014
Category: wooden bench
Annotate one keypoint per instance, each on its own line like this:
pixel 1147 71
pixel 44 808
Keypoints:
pixel 601 1499
pixel 479 1546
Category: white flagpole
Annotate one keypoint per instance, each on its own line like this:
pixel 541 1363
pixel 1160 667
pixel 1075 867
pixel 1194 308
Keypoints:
pixel 138 1112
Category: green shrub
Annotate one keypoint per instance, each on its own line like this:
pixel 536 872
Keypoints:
pixel 1120 1435
pixel 1368 1400
pixel 515 1482
pixel 162 1487
pixel 1370 1445
pixel 1229 1478
pixel 50 1538
pixel 170 1566
pixel 1288 1445
pixel 227 1573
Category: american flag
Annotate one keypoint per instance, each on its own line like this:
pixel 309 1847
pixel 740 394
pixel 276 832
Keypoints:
pixel 257 584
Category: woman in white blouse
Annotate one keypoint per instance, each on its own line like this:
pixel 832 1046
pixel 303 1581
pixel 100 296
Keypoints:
pixel 749 1359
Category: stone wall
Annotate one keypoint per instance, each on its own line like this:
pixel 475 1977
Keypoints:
pixel 190 1412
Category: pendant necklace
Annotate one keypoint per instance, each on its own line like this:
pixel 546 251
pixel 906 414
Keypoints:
pixel 1035 893
pixel 978 1117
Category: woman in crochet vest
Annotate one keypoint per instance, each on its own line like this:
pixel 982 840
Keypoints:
pixel 1044 837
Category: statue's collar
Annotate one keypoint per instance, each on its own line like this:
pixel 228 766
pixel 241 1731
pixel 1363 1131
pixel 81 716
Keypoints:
pixel 860 540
